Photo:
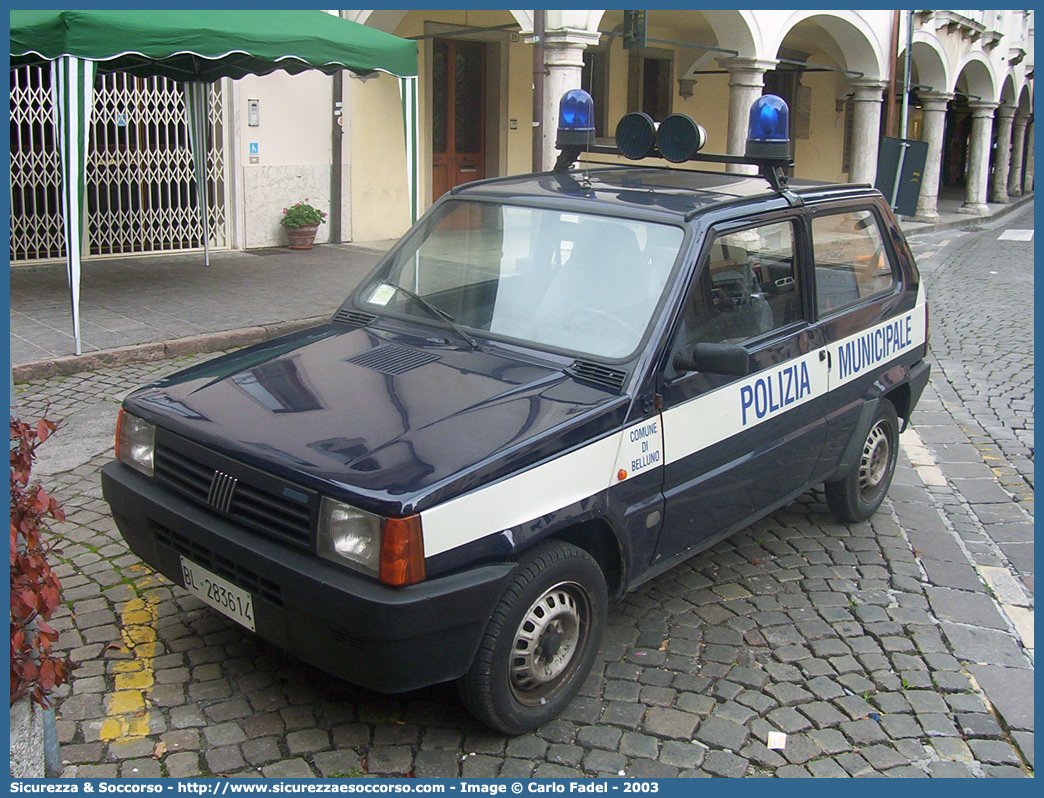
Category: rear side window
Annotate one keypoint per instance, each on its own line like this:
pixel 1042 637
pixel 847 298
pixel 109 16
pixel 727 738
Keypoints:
pixel 851 260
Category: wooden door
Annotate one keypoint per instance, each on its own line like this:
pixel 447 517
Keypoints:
pixel 458 130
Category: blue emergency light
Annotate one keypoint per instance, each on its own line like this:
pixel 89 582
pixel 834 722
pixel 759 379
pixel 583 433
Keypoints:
pixel 768 129
pixel 575 119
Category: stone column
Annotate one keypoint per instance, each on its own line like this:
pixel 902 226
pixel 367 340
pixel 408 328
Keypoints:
pixel 746 84
pixel 866 130
pixel 933 115
pixel 1002 119
pixel 1018 150
pixel 563 62
pixel 1027 177
pixel 978 171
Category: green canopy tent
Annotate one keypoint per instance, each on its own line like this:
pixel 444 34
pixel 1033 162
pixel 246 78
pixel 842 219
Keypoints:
pixel 195 48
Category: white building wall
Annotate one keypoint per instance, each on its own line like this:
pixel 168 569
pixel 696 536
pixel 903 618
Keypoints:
pixel 294 149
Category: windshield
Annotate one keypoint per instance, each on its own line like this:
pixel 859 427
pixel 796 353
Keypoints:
pixel 578 282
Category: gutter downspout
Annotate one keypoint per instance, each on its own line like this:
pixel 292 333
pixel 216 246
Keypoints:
pixel 538 91
pixel 336 145
pixel 336 153
pixel 892 64
pixel 905 108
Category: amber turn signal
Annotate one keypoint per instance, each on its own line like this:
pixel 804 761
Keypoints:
pixel 119 423
pixel 402 551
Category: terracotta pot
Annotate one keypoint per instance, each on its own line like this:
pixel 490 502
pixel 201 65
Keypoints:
pixel 302 237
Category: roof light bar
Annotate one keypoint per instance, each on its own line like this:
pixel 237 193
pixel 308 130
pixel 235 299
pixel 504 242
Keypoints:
pixel 678 138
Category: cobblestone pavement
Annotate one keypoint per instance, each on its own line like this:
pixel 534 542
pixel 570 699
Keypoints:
pixel 901 646
pixel 980 286
pixel 981 290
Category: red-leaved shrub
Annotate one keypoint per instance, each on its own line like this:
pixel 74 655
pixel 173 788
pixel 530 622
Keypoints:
pixel 35 590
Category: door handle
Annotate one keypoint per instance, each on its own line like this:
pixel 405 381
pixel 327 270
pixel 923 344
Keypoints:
pixel 469 168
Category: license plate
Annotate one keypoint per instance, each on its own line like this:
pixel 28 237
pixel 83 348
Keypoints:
pixel 219 593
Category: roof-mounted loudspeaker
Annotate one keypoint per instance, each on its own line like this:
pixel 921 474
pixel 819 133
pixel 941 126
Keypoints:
pixel 636 135
pixel 679 138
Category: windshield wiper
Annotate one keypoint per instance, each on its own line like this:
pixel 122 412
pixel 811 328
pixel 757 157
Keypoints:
pixel 439 313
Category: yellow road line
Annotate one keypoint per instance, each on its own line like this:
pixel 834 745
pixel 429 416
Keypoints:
pixel 127 707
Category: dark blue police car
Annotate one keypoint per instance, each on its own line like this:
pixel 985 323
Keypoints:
pixel 552 389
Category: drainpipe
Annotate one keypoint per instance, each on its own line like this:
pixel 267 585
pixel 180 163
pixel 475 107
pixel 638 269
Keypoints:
pixel 905 108
pixel 336 177
pixel 336 142
pixel 538 91
pixel 892 65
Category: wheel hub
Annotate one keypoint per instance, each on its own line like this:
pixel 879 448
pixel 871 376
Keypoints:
pixel 547 641
pixel 550 642
pixel 874 461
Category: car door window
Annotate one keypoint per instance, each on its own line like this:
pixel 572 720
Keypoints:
pixel 747 288
pixel 852 262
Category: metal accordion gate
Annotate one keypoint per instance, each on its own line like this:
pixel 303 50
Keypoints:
pixel 140 188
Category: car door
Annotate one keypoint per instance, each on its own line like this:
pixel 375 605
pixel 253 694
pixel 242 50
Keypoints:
pixel 737 445
pixel 858 290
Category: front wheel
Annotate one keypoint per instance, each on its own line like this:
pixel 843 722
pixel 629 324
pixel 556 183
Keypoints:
pixel 857 496
pixel 541 640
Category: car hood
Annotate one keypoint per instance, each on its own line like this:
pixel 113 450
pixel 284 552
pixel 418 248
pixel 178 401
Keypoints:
pixel 394 422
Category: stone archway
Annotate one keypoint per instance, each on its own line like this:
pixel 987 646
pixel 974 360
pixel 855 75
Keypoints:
pixel 930 92
pixel 971 130
pixel 586 43
pixel 930 68
pixel 831 71
pixel 1020 179
pixel 1003 123
pixel 843 36
pixel 975 78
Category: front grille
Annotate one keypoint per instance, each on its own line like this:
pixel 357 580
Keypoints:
pixel 249 580
pixel 237 494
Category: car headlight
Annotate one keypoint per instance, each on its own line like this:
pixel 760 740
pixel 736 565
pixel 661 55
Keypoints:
pixel 135 442
pixel 350 536
pixel 391 549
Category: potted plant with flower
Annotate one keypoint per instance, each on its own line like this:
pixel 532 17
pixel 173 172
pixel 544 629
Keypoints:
pixel 302 222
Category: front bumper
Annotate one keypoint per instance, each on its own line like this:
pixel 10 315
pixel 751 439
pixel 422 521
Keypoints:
pixel 387 639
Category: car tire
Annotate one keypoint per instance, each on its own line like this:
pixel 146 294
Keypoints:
pixel 541 640
pixel 856 497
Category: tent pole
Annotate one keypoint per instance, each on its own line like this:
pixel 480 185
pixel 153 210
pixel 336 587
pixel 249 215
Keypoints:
pixel 197 105
pixel 408 94
pixel 72 87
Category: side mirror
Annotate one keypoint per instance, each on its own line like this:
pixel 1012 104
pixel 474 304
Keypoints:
pixel 730 359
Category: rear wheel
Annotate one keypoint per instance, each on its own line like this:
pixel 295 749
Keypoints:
pixel 857 496
pixel 541 640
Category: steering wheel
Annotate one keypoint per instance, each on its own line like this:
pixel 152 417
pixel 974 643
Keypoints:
pixel 601 314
